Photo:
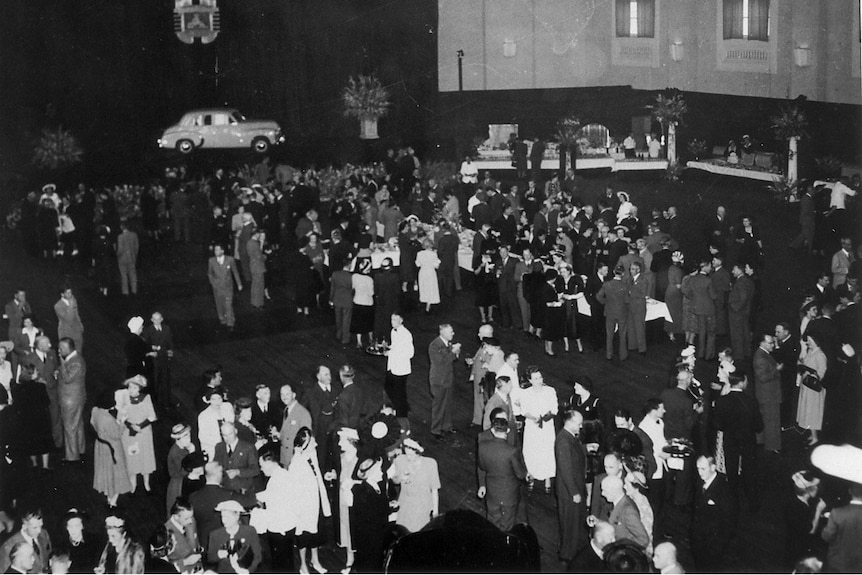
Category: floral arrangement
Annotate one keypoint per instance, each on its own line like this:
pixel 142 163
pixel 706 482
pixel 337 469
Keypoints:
pixel 828 166
pixel 782 189
pixel 669 109
pixel 365 98
pixel 673 173
pixel 444 173
pixel 789 122
pixel 567 130
pixel 57 149
pixel 696 147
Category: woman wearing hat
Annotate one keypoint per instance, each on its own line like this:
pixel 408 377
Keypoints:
pixel 418 500
pixel 110 475
pixel 673 296
pixel 486 285
pixel 31 409
pixel 136 412
pixel 122 554
pixel 313 506
pixel 362 319
pixel 554 325
pixel 428 262
pixel 308 280
pixel 369 517
pixel 181 433
pixel 347 443
pixel 812 396
pixel 210 419
pixel 81 546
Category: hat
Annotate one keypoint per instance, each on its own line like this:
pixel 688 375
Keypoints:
pixel 180 430
pixel 135 323
pixel 493 341
pixel 805 480
pixel 412 218
pixel 348 433
pixel 229 505
pixel 138 380
pixel 844 461
pixel 48 188
pixel 623 196
pixel 386 264
pixel 7 345
pixel 623 228
pixel 194 460
pixel 74 513
pixel 808 306
pixel 411 443
pixel 114 522
pixel 244 403
pixel 687 351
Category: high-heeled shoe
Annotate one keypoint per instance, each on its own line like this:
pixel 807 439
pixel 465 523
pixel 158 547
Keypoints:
pixel 320 568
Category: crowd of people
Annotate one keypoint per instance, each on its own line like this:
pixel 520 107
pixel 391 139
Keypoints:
pixel 256 481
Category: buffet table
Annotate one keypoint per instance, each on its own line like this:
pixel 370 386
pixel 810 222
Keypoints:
pixel 654 310
pixel 590 163
pixel 724 169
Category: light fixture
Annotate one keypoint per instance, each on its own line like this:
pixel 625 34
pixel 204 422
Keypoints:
pixel 802 55
pixel 509 48
pixel 676 51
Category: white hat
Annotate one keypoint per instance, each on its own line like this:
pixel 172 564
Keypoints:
pixel 348 433
pixel 48 188
pixel 135 323
pixel 844 461
pixel 414 445
pixel 687 352
pixel 229 505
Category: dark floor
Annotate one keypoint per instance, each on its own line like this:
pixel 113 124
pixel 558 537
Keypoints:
pixel 276 345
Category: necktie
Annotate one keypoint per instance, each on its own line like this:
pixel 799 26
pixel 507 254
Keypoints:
pixel 36 549
pixel 229 451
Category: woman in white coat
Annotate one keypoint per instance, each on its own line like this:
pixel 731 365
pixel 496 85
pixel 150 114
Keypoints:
pixel 428 262
pixel 539 407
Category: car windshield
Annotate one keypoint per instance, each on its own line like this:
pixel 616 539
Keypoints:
pixel 236 117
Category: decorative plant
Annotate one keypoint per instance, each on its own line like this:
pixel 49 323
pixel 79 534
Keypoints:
pixel 365 98
pixel 567 131
pixel 669 111
pixel 57 148
pixel 696 147
pixel 673 173
pixel 444 173
pixel 783 189
pixel 828 166
pixel 790 124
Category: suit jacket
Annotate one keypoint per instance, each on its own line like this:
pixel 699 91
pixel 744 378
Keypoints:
pixel 615 297
pixel 322 407
pixel 293 420
pixel 16 312
pixel 256 259
pixel 341 288
pixel 721 280
pixel 828 295
pixel 767 378
pixel 700 291
pixel 843 532
pixel 243 237
pixel 441 372
pixel 162 339
pixel 494 402
pixel 69 322
pixel 714 513
pixel 501 469
pixel 571 467
pixel 41 564
pixel 738 416
pixel 506 282
pixel 587 561
pixel 46 368
pixel 220 275
pixel 680 416
pixel 840 267
pixel 741 295
pixel 185 543
pixel 127 247
pixel 71 381
pixel 639 290
pixel 247 540
pixel 204 502
pixel 263 421
pixel 244 458
pixel 627 523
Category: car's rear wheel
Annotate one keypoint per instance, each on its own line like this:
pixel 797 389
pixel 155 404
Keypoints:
pixel 185 146
pixel 260 145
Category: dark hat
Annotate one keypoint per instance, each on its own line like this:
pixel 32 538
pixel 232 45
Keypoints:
pixel 194 460
pixel 491 341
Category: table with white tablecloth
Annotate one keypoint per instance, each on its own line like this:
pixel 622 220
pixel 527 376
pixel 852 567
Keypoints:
pixel 654 310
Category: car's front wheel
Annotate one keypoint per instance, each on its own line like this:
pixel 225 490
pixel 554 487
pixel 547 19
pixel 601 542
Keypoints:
pixel 260 145
pixel 185 146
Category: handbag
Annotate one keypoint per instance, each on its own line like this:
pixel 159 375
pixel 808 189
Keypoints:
pixel 809 378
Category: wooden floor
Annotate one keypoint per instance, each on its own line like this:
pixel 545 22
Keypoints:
pixel 276 346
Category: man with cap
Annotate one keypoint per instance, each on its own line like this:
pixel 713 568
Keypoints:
pixel 501 471
pixel 613 295
pixel 127 258
pixel 136 348
pixel 160 340
pixel 233 545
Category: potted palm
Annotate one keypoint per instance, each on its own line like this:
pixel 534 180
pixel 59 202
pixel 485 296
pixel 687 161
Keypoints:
pixel 790 125
pixel 669 110
pixel 367 99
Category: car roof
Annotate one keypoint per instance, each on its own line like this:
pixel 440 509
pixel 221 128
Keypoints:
pixel 210 111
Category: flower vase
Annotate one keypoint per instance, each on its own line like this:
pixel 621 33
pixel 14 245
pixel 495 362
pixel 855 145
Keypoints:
pixel 368 129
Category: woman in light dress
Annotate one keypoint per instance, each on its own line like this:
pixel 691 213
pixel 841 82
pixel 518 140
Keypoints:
pixel 428 262
pixel 218 410
pixel 539 407
pixel 135 410
pixel 809 412
pixel 418 501
pixel 347 441
pixel 307 478
pixel 110 476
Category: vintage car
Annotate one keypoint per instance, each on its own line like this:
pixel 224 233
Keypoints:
pixel 220 128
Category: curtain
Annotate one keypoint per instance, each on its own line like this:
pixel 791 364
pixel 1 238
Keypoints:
pixel 623 18
pixel 646 18
pixel 758 20
pixel 732 19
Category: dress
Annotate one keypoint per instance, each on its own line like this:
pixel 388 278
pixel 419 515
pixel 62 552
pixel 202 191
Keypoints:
pixel 429 290
pixel 368 520
pixel 209 426
pixel 362 320
pixel 674 299
pixel 345 498
pixel 34 418
pixel 539 441
pixel 308 480
pixel 418 480
pixel 109 458
pixel 554 325
pixel 308 282
pixel 809 411
pixel 486 287
pixel 689 321
pixel 140 453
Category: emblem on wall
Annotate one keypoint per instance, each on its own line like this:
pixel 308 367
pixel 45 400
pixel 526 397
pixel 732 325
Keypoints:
pixel 196 19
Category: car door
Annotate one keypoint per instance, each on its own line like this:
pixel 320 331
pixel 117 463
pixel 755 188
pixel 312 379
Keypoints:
pixel 222 135
pixel 206 130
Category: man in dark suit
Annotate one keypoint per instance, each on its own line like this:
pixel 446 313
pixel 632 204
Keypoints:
pixel 787 354
pixel 594 284
pixel 238 459
pixel 702 295
pixel 45 360
pixel 767 390
pixel 222 271
pixel 205 500
pixel 721 282
pixel 613 295
pixel 160 340
pixel 502 400
pixel 15 311
pixel 501 470
pixel 714 517
pixel 638 288
pixel 720 231
pixel 739 313
pixel 442 353
pixel 591 559
pixel 265 413
pixel 843 533
pixel 823 290
pixel 508 288
pixel 72 394
pixel 447 250
pixel 31 532
pixel 625 516
pixel 321 399
pixel 681 415
pixel 738 417
pixel 571 460
pixel 661 262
